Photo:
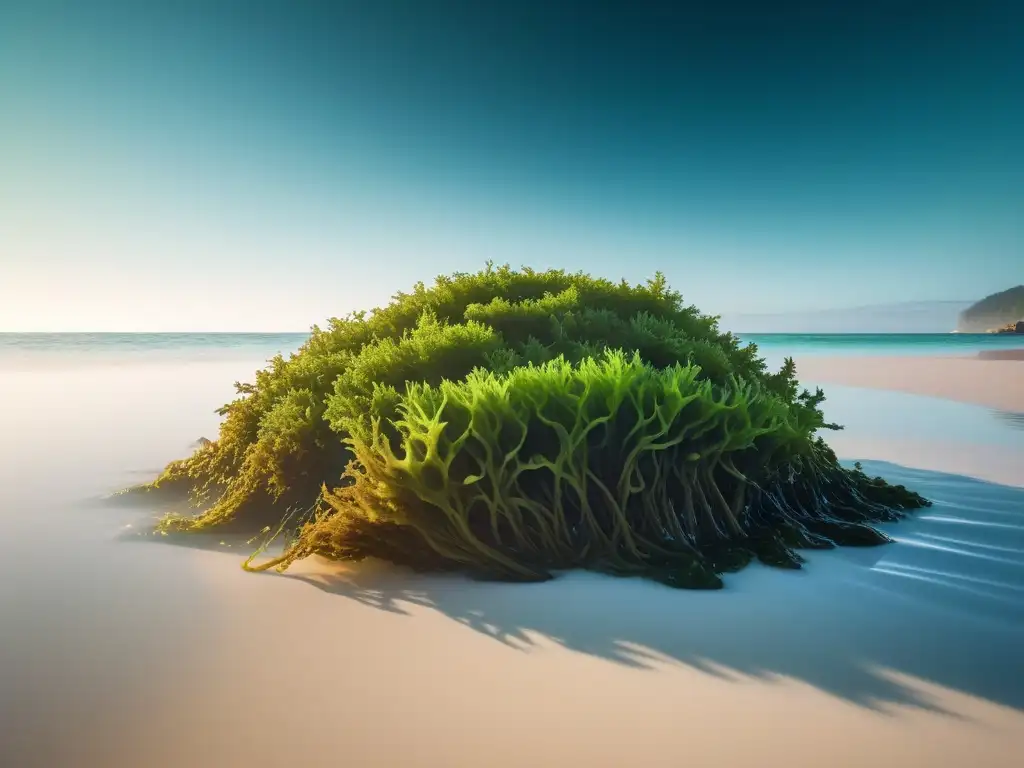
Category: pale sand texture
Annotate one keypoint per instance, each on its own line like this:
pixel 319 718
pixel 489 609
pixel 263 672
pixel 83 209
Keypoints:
pixel 994 383
pixel 129 653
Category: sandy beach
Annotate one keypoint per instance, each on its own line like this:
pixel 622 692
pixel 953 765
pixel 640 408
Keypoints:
pixel 994 379
pixel 120 650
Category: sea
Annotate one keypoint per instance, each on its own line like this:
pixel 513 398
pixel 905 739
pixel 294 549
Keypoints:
pixel 96 348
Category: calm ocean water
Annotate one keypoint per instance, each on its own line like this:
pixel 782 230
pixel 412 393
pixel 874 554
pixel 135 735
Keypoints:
pixel 72 348
pixel 882 343
pixel 30 350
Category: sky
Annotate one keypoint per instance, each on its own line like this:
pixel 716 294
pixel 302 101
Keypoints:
pixel 232 166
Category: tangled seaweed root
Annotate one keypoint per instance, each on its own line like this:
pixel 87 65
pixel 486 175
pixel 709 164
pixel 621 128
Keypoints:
pixel 609 465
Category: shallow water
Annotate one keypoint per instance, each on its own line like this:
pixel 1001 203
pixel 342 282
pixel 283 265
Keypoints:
pixel 121 652
pixel 65 351
pixel 884 415
pixel 778 345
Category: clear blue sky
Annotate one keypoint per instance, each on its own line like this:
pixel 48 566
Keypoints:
pixel 263 166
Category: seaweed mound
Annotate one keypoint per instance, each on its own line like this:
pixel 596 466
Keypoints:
pixel 513 423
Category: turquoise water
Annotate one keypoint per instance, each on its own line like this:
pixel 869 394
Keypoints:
pixel 882 343
pixel 74 343
pixel 63 350
pixel 71 347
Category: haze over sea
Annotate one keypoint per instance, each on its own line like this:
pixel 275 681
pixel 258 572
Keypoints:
pixel 66 349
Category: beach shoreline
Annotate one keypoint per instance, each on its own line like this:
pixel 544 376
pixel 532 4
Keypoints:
pixel 992 379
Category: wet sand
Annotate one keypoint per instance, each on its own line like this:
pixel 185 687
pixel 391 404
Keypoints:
pixel 1001 354
pixel 995 381
pixel 119 651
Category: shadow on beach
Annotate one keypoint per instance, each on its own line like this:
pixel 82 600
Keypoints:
pixel 1010 419
pixel 944 604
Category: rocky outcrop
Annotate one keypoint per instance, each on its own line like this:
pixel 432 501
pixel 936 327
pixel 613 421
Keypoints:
pixel 1017 327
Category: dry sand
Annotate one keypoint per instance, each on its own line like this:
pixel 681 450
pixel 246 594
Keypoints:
pixel 127 653
pixel 995 381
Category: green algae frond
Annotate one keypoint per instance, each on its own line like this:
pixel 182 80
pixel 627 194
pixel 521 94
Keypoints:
pixel 514 423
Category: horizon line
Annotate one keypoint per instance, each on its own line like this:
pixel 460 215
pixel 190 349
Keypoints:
pixel 308 332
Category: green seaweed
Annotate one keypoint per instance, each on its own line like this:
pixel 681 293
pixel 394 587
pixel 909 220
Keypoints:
pixel 511 424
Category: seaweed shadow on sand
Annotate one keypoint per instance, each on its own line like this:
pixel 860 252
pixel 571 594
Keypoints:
pixel 945 604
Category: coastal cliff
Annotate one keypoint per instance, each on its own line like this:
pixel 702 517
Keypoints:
pixel 999 313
